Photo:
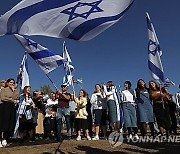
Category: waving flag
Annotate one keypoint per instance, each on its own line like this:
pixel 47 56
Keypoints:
pixel 73 19
pixel 23 77
pixel 154 53
pixel 68 67
pixel 119 111
pixel 46 59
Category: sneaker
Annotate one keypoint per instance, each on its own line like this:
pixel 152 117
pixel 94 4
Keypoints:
pixel 4 143
pixel 78 138
pixel 88 138
pixel 1 146
pixel 130 136
pixel 95 138
pixel 32 141
pixel 136 137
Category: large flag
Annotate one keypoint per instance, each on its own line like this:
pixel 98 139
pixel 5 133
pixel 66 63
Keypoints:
pixel 23 76
pixel 73 19
pixel 68 67
pixel 154 52
pixel 46 59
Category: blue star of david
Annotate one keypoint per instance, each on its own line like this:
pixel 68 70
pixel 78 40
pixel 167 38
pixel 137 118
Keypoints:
pixel 72 14
pixel 30 43
pixel 155 46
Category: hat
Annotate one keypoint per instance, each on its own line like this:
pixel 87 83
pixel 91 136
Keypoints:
pixel 63 86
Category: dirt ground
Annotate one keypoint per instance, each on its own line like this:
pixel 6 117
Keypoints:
pixel 89 147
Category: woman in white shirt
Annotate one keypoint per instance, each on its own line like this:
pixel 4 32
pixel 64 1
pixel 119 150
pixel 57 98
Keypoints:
pixel 111 103
pixel 98 101
pixel 25 114
pixel 129 109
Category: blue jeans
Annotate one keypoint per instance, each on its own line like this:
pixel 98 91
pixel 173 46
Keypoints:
pixel 66 113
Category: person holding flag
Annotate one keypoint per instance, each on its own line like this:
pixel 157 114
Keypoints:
pixel 63 110
pixel 26 106
pixel 114 108
pixel 81 114
pixel 160 99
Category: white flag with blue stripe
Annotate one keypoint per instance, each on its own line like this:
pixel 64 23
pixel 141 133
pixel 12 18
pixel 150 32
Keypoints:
pixel 73 19
pixel 68 67
pixel 154 53
pixel 23 76
pixel 46 59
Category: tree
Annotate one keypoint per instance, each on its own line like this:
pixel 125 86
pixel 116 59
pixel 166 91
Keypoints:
pixel 46 89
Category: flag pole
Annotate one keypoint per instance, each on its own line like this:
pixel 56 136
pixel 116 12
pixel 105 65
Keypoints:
pixel 72 82
pixel 52 82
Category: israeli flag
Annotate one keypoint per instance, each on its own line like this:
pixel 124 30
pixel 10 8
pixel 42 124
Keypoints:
pixel 74 19
pixel 68 67
pixel 154 52
pixel 21 109
pixel 119 111
pixel 23 76
pixel 46 59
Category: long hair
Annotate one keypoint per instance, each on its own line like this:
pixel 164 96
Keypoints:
pixel 97 84
pixel 128 83
pixel 25 92
pixel 139 88
pixel 150 87
pixel 9 80
pixel 84 92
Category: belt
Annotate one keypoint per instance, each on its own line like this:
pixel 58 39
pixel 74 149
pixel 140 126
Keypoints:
pixel 64 107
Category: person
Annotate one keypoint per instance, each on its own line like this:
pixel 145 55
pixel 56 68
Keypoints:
pixel 111 104
pixel 177 97
pixel 72 108
pixel 38 114
pixel 160 106
pixel 25 114
pixel 63 110
pixel 89 117
pixel 98 101
pixel 2 84
pixel 172 113
pixel 9 99
pixel 81 114
pixel 50 117
pixel 144 108
pixel 128 98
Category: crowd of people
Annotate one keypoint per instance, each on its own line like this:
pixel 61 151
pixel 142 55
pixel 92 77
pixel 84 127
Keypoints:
pixel 27 115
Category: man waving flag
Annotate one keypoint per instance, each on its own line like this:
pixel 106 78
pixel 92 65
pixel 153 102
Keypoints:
pixel 46 59
pixel 74 19
pixel 154 53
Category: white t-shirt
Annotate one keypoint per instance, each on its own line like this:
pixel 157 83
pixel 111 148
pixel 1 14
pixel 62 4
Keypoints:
pixel 98 100
pixel 49 103
pixel 127 96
